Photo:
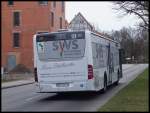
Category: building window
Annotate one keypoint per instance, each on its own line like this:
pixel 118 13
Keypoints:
pixel 43 2
pixel 63 6
pixel 52 19
pixel 16 18
pixel 10 2
pixel 60 22
pixel 16 39
pixel 54 4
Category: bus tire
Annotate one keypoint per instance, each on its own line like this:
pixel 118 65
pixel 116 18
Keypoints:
pixel 105 84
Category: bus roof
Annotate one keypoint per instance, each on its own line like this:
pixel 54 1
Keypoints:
pixel 104 37
pixel 80 31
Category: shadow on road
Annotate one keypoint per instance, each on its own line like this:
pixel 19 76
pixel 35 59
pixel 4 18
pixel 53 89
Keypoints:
pixel 72 96
pixel 82 96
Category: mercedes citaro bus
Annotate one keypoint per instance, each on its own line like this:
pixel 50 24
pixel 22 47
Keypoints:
pixel 75 61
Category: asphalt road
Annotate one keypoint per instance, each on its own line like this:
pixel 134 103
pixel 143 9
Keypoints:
pixel 25 98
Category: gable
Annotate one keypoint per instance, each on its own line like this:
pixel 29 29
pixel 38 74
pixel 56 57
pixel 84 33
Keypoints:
pixel 79 23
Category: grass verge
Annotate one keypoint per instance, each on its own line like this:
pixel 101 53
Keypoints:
pixel 134 97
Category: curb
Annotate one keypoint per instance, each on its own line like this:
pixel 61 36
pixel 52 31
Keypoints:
pixel 5 87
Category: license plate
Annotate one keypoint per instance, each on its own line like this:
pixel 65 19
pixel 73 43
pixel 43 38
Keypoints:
pixel 62 84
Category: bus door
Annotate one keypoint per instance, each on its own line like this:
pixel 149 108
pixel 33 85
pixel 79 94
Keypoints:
pixel 110 64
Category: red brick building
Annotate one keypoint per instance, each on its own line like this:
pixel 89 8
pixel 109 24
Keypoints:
pixel 20 21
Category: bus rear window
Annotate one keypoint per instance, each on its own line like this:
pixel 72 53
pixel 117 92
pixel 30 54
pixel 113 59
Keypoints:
pixel 61 46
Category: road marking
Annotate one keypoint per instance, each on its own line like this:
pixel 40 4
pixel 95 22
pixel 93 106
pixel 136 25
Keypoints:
pixel 34 97
pixel 38 96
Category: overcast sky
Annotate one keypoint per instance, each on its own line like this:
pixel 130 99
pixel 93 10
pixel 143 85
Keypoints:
pixel 100 14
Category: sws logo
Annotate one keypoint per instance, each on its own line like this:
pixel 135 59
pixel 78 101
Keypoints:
pixel 41 46
pixel 65 45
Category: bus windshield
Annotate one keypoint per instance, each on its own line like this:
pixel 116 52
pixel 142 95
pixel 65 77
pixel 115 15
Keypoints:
pixel 61 46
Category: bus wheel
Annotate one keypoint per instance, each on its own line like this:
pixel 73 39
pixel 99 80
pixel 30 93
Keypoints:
pixel 105 84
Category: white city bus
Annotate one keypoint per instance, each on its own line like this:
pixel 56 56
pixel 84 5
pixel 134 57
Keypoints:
pixel 75 61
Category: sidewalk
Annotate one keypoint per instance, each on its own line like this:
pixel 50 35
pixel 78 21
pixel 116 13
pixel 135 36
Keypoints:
pixel 17 83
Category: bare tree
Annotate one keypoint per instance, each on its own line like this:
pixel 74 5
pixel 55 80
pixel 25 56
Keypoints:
pixel 138 8
pixel 134 41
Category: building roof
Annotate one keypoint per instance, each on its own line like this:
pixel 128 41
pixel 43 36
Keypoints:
pixel 79 14
pixel 92 27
